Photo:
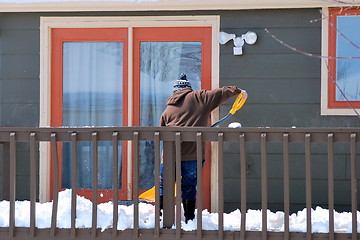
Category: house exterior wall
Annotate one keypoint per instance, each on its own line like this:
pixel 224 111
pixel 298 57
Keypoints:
pixel 283 87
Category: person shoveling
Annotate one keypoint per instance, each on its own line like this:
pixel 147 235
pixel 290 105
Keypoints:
pixel 188 108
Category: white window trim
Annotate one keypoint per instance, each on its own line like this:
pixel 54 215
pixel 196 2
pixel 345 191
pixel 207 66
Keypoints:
pixel 325 110
pixel 47 23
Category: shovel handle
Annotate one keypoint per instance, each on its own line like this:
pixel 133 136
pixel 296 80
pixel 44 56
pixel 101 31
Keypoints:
pixel 221 120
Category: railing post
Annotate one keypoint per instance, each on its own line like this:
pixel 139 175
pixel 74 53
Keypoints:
pixel 353 185
pixel 136 175
pixel 74 182
pixel 286 186
pixel 243 186
pixel 55 157
pixel 157 184
pixel 199 193
pixel 95 185
pixel 13 184
pixel 178 184
pixel 308 185
pixel 221 185
pixel 264 187
pixel 33 184
pixel 169 169
pixel 115 163
pixel 331 184
pixel 5 193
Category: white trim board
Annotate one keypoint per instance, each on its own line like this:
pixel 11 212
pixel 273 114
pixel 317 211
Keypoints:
pixel 160 5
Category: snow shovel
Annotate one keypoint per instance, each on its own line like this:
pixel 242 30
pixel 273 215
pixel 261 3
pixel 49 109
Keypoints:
pixel 149 195
pixel 239 102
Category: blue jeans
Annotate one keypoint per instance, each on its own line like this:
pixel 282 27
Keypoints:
pixel 188 179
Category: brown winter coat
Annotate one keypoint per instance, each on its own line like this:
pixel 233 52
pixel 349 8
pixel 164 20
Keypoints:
pixel 187 108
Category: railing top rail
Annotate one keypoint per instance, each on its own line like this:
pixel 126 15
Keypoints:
pixel 252 134
pixel 215 129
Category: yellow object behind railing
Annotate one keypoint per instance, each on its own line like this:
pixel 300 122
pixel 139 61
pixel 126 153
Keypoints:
pixel 149 195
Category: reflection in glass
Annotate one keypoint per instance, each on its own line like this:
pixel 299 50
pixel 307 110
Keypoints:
pixel 160 65
pixel 92 96
pixel 348 70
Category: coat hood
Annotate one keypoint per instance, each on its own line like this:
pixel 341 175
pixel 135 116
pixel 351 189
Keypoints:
pixel 178 96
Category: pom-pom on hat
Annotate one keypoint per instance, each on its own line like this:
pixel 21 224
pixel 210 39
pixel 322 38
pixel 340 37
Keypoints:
pixel 181 83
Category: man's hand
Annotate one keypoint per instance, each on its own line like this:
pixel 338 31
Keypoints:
pixel 244 93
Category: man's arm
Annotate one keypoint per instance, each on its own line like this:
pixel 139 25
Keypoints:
pixel 216 97
pixel 162 121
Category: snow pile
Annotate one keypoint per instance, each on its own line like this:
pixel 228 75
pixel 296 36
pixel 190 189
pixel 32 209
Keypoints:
pixel 234 125
pixel 83 214
pixel 275 222
pixel 147 217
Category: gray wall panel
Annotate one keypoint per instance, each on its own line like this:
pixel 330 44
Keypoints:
pixel 19 115
pixel 285 115
pixel 270 18
pixel 17 91
pixel 22 187
pixel 296 166
pixel 20 66
pixel 291 90
pixel 19 21
pixel 22 163
pixel 269 66
pixel 20 41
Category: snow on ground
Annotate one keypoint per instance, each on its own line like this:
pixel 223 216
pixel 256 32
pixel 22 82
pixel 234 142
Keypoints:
pixel 147 217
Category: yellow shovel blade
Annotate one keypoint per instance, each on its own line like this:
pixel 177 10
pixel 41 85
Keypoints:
pixel 239 102
pixel 149 195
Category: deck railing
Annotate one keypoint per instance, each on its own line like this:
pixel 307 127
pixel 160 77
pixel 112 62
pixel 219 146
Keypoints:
pixel 172 138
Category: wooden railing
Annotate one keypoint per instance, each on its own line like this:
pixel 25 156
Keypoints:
pixel 172 138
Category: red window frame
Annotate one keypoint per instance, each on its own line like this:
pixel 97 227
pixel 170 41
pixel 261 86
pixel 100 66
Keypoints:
pixel 58 37
pixel 179 34
pixel 333 13
pixel 61 35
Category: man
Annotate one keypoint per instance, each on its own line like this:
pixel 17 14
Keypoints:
pixel 188 108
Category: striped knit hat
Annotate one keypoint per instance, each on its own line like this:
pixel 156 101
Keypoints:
pixel 181 83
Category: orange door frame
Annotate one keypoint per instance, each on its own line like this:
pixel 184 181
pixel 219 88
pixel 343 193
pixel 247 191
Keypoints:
pixel 58 37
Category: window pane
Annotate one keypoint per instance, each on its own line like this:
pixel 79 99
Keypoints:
pixel 160 65
pixel 348 70
pixel 92 96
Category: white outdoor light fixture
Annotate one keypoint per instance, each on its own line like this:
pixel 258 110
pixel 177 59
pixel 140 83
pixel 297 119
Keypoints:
pixel 225 37
pixel 249 38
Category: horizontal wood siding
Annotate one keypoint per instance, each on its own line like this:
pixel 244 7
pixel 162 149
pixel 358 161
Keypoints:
pixel 19 86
